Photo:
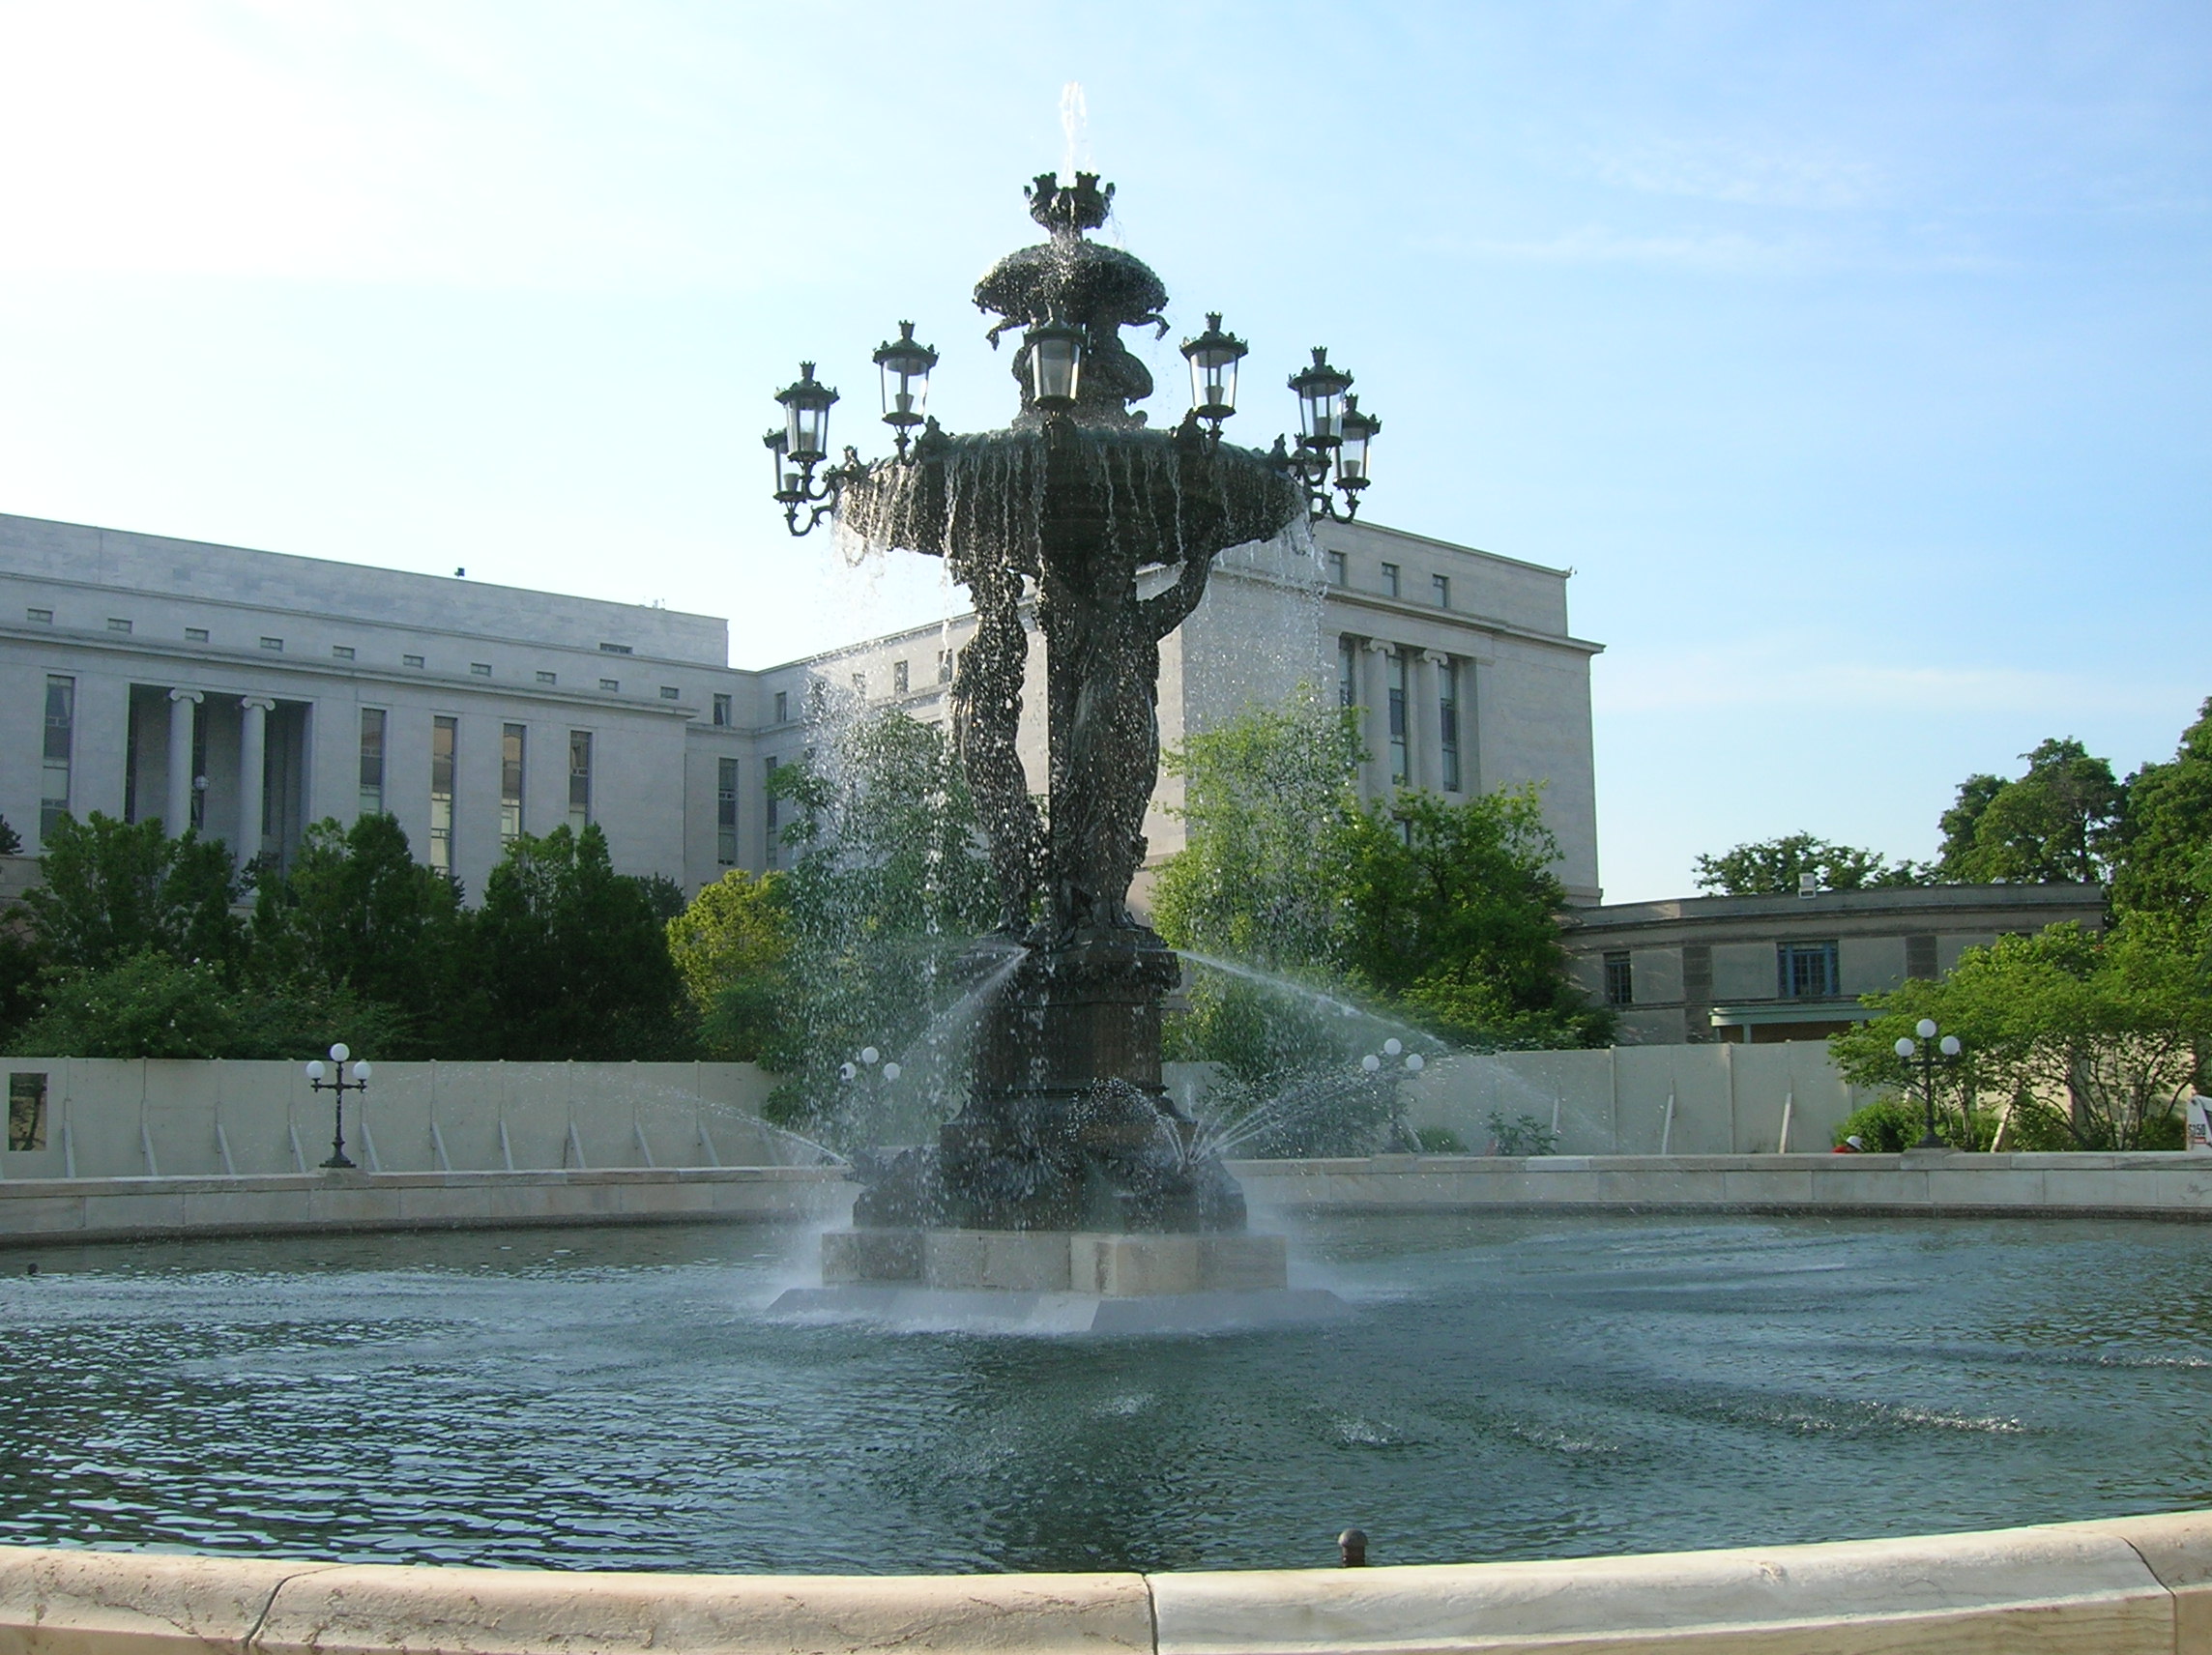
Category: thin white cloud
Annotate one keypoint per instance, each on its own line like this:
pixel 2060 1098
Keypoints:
pixel 1811 180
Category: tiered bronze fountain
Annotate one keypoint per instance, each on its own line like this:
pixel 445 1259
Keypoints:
pixel 1069 1192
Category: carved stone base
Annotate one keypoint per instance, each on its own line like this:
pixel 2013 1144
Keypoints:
pixel 1057 1281
pixel 1056 1261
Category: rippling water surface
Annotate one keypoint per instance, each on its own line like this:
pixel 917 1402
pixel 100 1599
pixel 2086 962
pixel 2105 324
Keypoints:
pixel 1510 1387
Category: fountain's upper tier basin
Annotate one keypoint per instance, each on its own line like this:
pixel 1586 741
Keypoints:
pixel 1148 497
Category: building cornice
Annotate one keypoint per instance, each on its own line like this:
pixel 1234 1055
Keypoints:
pixel 333 618
pixel 268 663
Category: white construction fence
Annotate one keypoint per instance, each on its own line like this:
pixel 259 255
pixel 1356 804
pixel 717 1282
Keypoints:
pixel 101 1118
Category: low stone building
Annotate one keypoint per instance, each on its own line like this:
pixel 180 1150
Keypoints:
pixel 1792 968
pixel 249 693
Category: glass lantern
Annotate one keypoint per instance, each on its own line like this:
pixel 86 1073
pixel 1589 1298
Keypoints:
pixel 1055 364
pixel 1320 390
pixel 778 444
pixel 905 368
pixel 1357 430
pixel 1214 357
pixel 806 417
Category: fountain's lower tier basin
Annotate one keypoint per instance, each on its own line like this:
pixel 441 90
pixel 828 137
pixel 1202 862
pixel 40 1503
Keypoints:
pixel 1057 1281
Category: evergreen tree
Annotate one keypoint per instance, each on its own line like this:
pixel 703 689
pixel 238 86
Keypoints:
pixel 358 913
pixel 570 960
pixel 111 890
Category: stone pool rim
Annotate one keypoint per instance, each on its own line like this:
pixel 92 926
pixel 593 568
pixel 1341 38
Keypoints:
pixel 2116 1586
pixel 2150 1184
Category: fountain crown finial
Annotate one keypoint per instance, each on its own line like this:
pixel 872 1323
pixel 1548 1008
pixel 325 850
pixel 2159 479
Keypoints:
pixel 1069 210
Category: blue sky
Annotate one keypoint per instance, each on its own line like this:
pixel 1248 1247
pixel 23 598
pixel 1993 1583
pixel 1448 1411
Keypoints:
pixel 1854 355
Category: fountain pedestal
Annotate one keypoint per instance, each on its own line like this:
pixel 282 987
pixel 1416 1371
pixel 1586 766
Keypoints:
pixel 1057 1281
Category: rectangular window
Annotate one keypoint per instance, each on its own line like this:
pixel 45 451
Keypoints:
pixel 1389 580
pixel 116 624
pixel 1447 722
pixel 768 794
pixel 726 812
pixel 861 684
pixel 39 617
pixel 341 652
pixel 1401 771
pixel 669 692
pixel 898 677
pixel 1808 970
pixel 1920 956
pixel 579 779
pixel 614 649
pixel 721 709
pixel 1619 980
pixel 510 743
pixel 410 660
pixel 544 677
pixel 1347 671
pixel 444 736
pixel 1440 588
pixel 195 635
pixel 1333 563
pixel 612 685
pixel 783 706
pixel 481 669
pixel 26 1112
pixel 276 643
pixel 372 721
pixel 945 666
pixel 61 730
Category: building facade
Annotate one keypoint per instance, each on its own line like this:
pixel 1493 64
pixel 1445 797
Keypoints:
pixel 251 693
pixel 1759 969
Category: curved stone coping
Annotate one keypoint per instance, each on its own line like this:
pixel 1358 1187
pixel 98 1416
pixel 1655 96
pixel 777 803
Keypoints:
pixel 107 1209
pixel 2126 1586
pixel 2151 1183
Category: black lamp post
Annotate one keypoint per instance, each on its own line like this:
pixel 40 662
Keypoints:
pixel 1926 1049
pixel 340 1086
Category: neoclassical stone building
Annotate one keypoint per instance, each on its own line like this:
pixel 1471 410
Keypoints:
pixel 253 693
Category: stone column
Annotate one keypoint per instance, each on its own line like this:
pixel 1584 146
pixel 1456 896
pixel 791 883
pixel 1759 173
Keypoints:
pixel 1432 726
pixel 253 771
pixel 1375 695
pixel 1424 743
pixel 183 703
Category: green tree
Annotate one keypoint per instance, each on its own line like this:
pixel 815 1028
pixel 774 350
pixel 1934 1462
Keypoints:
pixel 730 946
pixel 2057 823
pixel 1450 913
pixel 2091 1040
pixel 10 841
pixel 356 912
pixel 1264 799
pixel 151 1004
pixel 569 959
pixel 1453 912
pixel 1773 867
pixel 2165 862
pixel 111 890
pixel 888 887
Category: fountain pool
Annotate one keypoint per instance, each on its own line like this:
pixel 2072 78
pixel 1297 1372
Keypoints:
pixel 1508 1388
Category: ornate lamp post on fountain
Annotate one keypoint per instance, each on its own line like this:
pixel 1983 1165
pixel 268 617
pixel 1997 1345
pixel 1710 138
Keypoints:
pixel 1072 509
pixel 340 1086
pixel 1926 1049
